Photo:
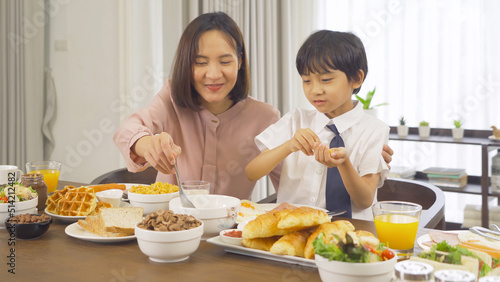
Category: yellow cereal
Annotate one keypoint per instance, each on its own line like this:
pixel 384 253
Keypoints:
pixel 155 188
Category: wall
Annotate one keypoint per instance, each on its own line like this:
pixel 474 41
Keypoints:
pixel 85 70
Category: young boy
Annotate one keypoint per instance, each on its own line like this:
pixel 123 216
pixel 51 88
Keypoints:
pixel 333 67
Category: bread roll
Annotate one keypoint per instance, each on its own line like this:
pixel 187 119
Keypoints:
pixel 263 244
pixel 303 217
pixel 292 244
pixel 266 225
pixel 338 227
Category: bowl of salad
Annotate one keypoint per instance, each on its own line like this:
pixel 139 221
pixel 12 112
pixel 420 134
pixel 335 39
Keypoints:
pixel 16 199
pixel 354 260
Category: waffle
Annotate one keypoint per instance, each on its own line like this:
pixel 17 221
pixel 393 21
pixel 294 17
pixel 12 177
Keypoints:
pixel 54 199
pixel 77 202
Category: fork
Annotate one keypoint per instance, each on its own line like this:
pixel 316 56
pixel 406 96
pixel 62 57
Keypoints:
pixel 184 199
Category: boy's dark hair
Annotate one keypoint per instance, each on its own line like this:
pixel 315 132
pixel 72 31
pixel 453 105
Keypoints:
pixel 327 50
pixel 183 91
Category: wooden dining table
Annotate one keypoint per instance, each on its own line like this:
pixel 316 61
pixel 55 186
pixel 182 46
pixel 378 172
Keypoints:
pixel 55 256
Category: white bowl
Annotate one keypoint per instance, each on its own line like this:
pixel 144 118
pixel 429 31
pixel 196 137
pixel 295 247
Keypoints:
pixel 112 196
pixel 151 202
pixel 18 208
pixel 217 212
pixel 168 246
pixel 229 239
pixel 355 272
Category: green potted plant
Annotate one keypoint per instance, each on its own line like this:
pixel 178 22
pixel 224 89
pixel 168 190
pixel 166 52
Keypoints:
pixel 424 130
pixel 367 102
pixel 402 128
pixel 457 132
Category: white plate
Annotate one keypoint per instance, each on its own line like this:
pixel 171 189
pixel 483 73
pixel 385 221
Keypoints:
pixel 492 137
pixel 76 218
pixel 260 254
pixel 76 231
pixel 426 238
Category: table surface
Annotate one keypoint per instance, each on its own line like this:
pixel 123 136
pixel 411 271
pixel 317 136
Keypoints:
pixel 58 257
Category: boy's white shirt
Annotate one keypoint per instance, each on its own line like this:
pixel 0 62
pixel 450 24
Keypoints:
pixel 303 179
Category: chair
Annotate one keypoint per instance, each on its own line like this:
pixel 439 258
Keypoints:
pixel 122 175
pixel 430 197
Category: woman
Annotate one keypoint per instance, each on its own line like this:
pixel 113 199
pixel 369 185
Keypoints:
pixel 202 118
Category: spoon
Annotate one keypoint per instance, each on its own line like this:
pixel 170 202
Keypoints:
pixel 184 199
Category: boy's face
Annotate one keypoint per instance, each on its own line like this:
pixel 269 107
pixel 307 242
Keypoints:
pixel 330 92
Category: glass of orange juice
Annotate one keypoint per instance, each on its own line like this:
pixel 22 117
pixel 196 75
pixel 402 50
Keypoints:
pixel 50 171
pixel 396 224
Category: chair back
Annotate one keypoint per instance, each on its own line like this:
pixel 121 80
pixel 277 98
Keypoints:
pixel 430 197
pixel 122 175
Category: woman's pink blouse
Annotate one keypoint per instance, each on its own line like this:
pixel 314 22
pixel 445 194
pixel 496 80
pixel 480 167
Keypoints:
pixel 215 148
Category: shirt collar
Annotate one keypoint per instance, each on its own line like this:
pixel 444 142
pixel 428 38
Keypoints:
pixel 342 122
pixel 225 116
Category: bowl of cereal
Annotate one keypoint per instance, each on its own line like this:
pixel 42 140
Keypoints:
pixel 152 197
pixel 28 226
pixel 167 237
pixel 218 212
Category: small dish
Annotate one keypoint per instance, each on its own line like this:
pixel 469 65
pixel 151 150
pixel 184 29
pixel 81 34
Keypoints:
pixel 231 236
pixel 112 196
pixel 29 230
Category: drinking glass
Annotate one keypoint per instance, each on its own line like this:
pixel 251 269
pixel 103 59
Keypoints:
pixel 396 224
pixel 50 171
pixel 192 187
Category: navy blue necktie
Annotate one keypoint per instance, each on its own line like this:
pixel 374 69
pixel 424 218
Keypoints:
pixel 336 194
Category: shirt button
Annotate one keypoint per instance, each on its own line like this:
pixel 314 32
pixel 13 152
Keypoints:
pixel 313 200
pixel 319 170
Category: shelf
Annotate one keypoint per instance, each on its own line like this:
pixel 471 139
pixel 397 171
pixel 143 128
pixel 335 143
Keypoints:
pixel 481 184
pixel 443 135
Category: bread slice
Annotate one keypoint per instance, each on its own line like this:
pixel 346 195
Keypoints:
pixel 113 222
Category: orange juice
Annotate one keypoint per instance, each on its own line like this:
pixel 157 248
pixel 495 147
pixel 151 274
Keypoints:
pixel 50 177
pixel 398 230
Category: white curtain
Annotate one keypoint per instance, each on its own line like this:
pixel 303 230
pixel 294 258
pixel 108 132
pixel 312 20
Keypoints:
pixel 22 25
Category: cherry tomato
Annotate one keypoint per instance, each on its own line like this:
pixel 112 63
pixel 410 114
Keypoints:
pixel 4 200
pixel 387 254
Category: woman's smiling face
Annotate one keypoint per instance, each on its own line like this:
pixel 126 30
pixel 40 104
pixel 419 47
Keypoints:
pixel 215 71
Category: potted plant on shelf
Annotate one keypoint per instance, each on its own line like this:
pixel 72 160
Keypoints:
pixel 457 132
pixel 402 128
pixel 424 130
pixel 367 101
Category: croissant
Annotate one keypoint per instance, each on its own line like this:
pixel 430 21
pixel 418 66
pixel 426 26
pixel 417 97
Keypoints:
pixel 266 225
pixel 303 217
pixel 338 227
pixel 292 244
pixel 263 244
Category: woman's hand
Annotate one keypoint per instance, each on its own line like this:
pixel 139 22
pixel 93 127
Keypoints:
pixel 330 157
pixel 303 140
pixel 160 151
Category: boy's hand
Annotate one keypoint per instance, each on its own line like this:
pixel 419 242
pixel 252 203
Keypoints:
pixel 303 140
pixel 330 157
